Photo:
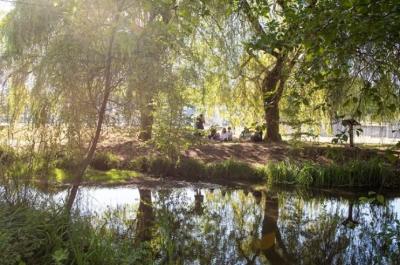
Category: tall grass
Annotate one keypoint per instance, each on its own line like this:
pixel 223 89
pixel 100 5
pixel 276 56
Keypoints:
pixel 372 173
pixel 357 173
pixel 48 236
pixel 192 169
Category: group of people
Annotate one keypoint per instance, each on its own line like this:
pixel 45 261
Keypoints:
pixel 254 136
pixel 226 134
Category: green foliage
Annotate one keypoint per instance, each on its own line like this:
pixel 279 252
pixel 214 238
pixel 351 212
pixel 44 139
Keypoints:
pixel 162 167
pixel 173 132
pixel 140 164
pixel 190 169
pixel 356 173
pixel 67 162
pixel 105 161
pixel 282 172
pixel 7 156
pixel 373 198
pixel 231 169
pixel 49 236
pixel 389 234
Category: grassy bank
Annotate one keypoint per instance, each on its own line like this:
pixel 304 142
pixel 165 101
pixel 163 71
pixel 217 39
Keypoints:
pixel 373 173
pixel 48 236
pixel 352 174
pixel 368 171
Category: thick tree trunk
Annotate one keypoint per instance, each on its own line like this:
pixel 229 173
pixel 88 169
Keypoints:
pixel 271 243
pixel 93 145
pixel 145 217
pixel 272 121
pixel 272 87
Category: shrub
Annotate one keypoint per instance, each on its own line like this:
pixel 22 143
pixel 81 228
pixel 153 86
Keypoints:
pixel 161 167
pixel 140 164
pixel 67 162
pixel 7 156
pixel 190 169
pixel 105 161
pixel 231 169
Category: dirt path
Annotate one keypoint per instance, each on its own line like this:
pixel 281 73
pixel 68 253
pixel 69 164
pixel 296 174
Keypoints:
pixel 248 152
pixel 254 153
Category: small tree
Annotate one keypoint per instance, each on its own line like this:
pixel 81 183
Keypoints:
pixel 348 132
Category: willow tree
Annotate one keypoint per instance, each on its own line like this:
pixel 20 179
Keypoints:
pixel 274 24
pixel 352 52
pixel 78 56
pixel 266 47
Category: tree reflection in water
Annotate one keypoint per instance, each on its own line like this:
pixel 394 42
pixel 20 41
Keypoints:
pixel 271 244
pixel 187 226
pixel 145 217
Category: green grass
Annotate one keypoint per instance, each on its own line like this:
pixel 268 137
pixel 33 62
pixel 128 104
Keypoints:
pixel 349 168
pixel 373 173
pixel 96 176
pixel 31 236
pixel 111 176
pixel 191 169
pixel 353 174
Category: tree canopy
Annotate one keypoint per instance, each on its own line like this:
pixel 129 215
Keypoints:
pixel 73 68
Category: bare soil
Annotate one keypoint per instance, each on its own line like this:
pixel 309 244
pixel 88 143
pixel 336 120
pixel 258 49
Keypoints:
pixel 248 152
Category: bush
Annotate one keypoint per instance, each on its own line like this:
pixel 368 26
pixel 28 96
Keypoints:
pixel 7 156
pixel 105 161
pixel 161 167
pixel 66 162
pixel 231 169
pixel 140 164
pixel 193 169
pixel 187 168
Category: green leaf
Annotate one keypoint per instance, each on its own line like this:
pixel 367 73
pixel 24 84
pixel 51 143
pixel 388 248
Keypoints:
pixel 380 199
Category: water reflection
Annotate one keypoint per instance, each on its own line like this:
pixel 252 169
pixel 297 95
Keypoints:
pixel 224 226
pixel 145 217
pixel 271 244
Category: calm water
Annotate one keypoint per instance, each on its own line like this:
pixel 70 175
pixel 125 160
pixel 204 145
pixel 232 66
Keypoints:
pixel 220 226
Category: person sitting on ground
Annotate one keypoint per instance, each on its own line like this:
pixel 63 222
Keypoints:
pixel 214 135
pixel 230 135
pixel 257 135
pixel 245 135
pixel 224 135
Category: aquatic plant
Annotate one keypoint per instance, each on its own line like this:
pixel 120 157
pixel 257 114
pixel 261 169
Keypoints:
pixel 355 173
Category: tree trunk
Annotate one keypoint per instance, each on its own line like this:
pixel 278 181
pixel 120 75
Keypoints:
pixel 146 121
pixel 145 217
pixel 351 135
pixel 93 145
pixel 271 243
pixel 272 121
pixel 272 87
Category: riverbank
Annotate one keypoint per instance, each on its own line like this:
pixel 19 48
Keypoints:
pixel 304 164
pixel 238 165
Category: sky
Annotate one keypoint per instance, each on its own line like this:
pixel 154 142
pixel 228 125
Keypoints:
pixel 5 6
